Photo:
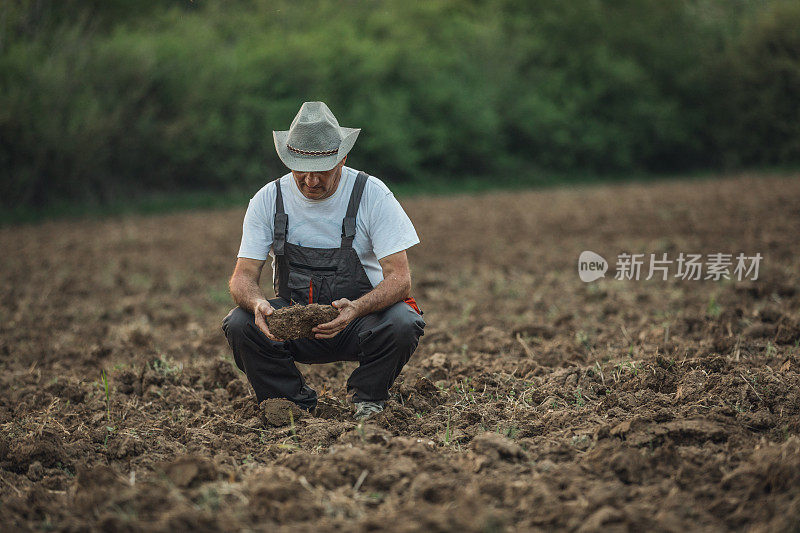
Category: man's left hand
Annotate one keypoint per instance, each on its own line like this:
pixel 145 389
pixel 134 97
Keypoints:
pixel 348 311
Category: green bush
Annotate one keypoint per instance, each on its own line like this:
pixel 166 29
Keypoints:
pixel 99 103
pixel 756 101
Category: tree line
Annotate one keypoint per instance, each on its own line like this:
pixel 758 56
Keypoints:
pixel 108 99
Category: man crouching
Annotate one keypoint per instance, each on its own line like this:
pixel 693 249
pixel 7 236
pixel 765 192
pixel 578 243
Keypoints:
pixel 336 236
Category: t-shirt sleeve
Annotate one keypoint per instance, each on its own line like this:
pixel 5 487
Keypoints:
pixel 390 229
pixel 256 230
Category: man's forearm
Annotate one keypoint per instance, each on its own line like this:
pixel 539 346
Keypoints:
pixel 245 292
pixel 388 292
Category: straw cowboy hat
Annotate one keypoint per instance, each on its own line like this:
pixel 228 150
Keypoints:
pixel 314 142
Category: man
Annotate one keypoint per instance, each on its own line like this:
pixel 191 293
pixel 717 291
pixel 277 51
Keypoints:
pixel 337 236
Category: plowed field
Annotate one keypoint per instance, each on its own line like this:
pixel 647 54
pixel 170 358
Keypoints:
pixel 534 401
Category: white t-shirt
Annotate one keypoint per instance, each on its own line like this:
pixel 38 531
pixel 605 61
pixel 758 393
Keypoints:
pixel 382 227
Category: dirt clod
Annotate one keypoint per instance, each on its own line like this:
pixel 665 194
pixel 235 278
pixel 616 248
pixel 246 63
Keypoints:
pixel 189 471
pixel 497 447
pixel 297 321
pixel 35 471
pixel 278 412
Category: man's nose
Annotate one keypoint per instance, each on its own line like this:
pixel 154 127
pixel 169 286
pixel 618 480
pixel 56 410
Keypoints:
pixel 312 180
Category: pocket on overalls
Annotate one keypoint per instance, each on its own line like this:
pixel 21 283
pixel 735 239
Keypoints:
pixel 309 280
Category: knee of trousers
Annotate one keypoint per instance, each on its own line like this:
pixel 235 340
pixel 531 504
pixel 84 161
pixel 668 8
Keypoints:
pixel 409 330
pixel 400 332
pixel 241 331
pixel 236 324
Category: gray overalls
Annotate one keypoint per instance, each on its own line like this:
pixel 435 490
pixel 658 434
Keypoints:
pixel 382 342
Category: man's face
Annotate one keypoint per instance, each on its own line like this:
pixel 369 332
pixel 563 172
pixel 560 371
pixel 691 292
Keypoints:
pixel 319 185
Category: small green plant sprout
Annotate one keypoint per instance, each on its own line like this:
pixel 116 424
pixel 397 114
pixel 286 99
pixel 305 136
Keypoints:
pixel 627 366
pixel 464 348
pixel 447 434
pixel 104 379
pixel 466 391
pixel 292 427
pixel 771 349
pixel 599 372
pixel 582 338
pixel 109 426
pixel 466 312
pixel 209 498
pixel 579 398
pixel 580 440
pixel 713 309
pixel 361 433
pixel 166 368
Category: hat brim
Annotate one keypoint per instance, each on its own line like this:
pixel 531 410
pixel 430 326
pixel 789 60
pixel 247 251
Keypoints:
pixel 313 163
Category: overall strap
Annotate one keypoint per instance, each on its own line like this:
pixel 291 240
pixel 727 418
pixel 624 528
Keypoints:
pixel 349 222
pixel 281 222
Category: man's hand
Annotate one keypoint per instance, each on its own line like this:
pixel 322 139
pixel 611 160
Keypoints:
pixel 395 286
pixel 247 294
pixel 262 309
pixel 348 311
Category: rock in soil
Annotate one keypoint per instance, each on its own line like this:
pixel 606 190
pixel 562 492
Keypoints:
pixel 296 322
pixel 279 412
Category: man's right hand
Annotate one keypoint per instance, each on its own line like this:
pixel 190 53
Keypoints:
pixel 263 309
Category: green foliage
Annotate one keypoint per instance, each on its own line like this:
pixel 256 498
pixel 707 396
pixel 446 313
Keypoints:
pixel 756 84
pixel 713 309
pixel 100 102
pixel 166 367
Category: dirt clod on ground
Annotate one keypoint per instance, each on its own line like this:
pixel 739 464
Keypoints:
pixel 189 471
pixel 297 321
pixel 278 412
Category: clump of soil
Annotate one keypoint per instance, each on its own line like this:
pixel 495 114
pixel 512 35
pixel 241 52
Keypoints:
pixel 188 471
pixel 297 321
pixel 280 412
pixel 497 448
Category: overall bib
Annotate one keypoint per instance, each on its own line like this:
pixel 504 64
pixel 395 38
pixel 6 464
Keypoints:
pixel 303 274
pixel 382 342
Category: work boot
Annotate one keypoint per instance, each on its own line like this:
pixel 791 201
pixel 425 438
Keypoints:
pixel 365 410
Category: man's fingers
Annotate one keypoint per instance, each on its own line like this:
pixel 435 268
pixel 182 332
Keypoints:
pixel 329 329
pixel 328 335
pixel 262 325
pixel 327 326
pixel 340 303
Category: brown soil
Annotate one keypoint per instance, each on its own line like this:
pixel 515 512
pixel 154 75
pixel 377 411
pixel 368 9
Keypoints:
pixel 297 321
pixel 279 412
pixel 534 402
